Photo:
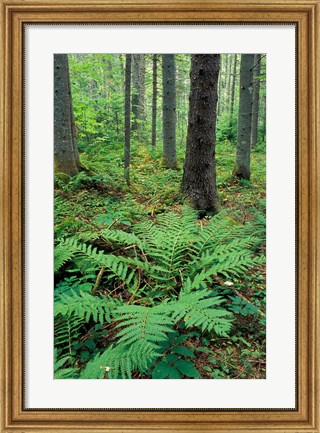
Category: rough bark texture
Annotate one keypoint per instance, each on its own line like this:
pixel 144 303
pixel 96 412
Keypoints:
pixel 233 86
pixel 219 96
pixel 229 81
pixel 138 92
pixel 255 100
pixel 199 176
pixel 169 111
pixel 127 114
pixel 154 101
pixel 242 166
pixel 66 156
pixel 263 103
pixel 225 93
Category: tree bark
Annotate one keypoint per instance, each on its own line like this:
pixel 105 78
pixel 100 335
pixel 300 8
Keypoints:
pixel 219 95
pixel 242 166
pixel 66 156
pixel 138 92
pixel 169 111
pixel 255 100
pixel 229 82
pixel 225 95
pixel 199 175
pixel 127 120
pixel 154 101
pixel 233 86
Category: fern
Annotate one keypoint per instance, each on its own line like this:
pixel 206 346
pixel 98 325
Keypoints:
pixel 168 243
pixel 140 323
pixel 121 361
pixel 61 371
pixel 119 237
pixel 172 262
pixel 66 332
pixel 83 306
pixel 199 309
pixel 91 258
pixel 62 254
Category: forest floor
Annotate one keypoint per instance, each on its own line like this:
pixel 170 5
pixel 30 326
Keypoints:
pixel 99 198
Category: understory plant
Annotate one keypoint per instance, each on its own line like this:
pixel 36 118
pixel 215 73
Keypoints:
pixel 132 298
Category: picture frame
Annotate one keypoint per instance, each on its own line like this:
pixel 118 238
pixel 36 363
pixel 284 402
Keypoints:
pixel 305 15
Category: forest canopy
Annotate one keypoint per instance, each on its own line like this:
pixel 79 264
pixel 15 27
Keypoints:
pixel 160 216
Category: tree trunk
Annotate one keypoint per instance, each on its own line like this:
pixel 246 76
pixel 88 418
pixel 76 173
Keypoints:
pixel 226 82
pixel 255 100
pixel 169 111
pixel 263 118
pixel 154 101
pixel 66 156
pixel 127 110
pixel 229 81
pixel 138 92
pixel 242 166
pixel 219 96
pixel 233 86
pixel 199 175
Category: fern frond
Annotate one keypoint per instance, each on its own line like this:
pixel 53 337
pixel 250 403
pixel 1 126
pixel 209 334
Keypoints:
pixel 168 243
pixel 121 361
pixel 114 266
pixel 121 238
pixel 200 309
pixel 233 264
pixel 66 332
pixel 61 371
pixel 62 254
pixel 140 323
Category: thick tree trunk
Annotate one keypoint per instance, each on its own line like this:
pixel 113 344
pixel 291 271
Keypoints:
pixel 127 110
pixel 255 100
pixel 66 156
pixel 154 101
pixel 242 166
pixel 138 92
pixel 199 176
pixel 169 111
pixel 233 86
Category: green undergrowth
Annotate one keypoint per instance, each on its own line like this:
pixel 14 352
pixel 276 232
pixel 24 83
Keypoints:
pixel 143 289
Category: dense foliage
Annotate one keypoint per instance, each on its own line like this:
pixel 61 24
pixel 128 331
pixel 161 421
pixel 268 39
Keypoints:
pixel 143 288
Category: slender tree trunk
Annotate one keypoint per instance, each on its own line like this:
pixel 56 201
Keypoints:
pixel 199 175
pixel 242 166
pixel 263 118
pixel 169 111
pixel 66 156
pixel 154 101
pixel 255 100
pixel 225 84
pixel 127 119
pixel 138 93
pixel 233 86
pixel 229 82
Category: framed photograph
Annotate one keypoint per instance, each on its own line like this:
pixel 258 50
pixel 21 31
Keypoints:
pixel 160 221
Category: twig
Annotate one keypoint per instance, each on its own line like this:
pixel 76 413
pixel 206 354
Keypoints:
pixel 136 289
pixel 96 284
pixel 113 222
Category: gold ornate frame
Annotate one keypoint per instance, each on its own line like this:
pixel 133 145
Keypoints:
pixel 306 15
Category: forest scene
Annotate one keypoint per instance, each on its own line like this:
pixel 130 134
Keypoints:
pixel 159 216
